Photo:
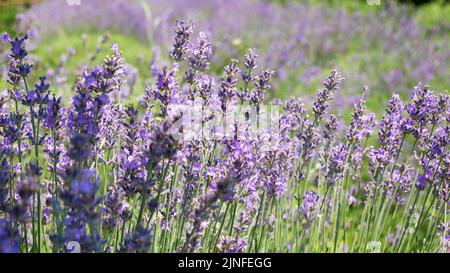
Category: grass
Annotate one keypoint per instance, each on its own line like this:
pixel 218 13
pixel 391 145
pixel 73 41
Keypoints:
pixel 137 53
pixel 8 17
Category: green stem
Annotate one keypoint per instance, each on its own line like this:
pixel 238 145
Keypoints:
pixel 256 222
pixel 407 222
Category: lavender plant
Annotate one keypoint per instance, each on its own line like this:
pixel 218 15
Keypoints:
pixel 206 164
pixel 387 48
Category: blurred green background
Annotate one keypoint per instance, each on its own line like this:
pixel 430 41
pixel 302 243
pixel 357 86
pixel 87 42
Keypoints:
pixel 139 53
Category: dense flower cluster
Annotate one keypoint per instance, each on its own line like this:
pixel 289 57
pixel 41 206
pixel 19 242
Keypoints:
pixel 119 178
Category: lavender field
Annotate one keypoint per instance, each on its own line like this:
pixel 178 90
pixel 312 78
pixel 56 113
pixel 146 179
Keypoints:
pixel 187 126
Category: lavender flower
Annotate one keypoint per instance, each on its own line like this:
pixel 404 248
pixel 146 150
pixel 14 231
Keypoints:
pixel 421 182
pixel 336 164
pixel 274 172
pixel 309 207
pixel 81 115
pixel 250 63
pixel 26 188
pixel 205 88
pixel 9 239
pixel 201 52
pixel 5 37
pixel 330 128
pixel 228 89
pixel 261 87
pixel 117 209
pixel 140 242
pixel 422 109
pixel 200 215
pixel 131 174
pixel 311 137
pixel 39 95
pixel 5 176
pixel 166 90
pixel 230 244
pixel 78 194
pixel 390 134
pixel 247 75
pixel 355 129
pixel 18 66
pixel 184 29
pixel 53 116
pixel 331 85
pixel 161 144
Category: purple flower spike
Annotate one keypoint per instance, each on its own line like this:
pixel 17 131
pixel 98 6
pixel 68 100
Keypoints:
pixel 5 37
pixel 184 30
pixel 309 207
pixel 421 182
pixel 201 52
